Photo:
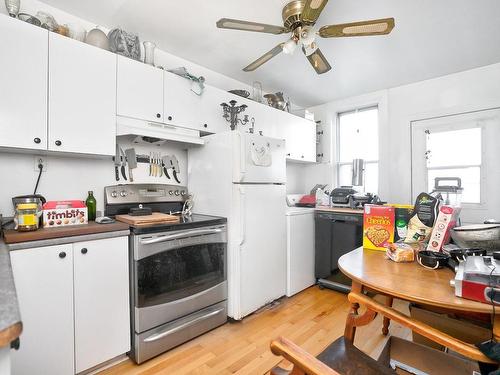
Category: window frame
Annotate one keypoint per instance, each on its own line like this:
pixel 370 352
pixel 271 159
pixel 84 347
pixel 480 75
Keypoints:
pixel 340 164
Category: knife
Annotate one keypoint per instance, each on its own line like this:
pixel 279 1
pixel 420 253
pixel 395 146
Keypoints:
pixel 123 164
pixel 175 167
pixel 117 162
pixel 159 165
pixel 150 165
pixel 165 163
pixel 131 161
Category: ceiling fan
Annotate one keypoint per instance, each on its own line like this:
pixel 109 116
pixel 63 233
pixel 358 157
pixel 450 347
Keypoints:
pixel 299 18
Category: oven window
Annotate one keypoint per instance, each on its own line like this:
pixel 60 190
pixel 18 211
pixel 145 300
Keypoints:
pixel 179 273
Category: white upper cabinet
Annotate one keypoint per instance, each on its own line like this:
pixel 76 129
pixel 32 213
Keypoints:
pixel 211 110
pixel 300 137
pixel 139 90
pixel 182 106
pixel 82 97
pixel 23 84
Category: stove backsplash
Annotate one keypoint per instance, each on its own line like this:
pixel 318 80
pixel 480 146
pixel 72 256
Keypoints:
pixel 71 177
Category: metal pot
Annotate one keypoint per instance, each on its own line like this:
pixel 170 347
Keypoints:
pixel 484 236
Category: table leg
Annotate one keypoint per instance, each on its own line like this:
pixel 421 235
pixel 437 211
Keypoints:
pixel 350 329
pixel 387 321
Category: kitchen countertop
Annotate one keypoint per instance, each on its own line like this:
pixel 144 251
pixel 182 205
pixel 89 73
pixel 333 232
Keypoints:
pixel 10 318
pixel 58 236
pixel 343 210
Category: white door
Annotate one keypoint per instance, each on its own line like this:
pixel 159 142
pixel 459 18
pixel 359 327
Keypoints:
pixel 44 285
pixel 464 146
pixel 139 90
pixel 300 252
pixel 182 105
pixel 23 90
pixel 263 245
pixel 82 97
pixel 258 159
pixel 102 318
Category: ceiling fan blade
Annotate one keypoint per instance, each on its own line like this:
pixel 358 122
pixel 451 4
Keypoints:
pixel 364 28
pixel 312 10
pixel 228 23
pixel 319 62
pixel 264 58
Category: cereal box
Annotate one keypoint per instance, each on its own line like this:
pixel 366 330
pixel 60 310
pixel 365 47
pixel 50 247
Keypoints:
pixel 62 213
pixel 378 227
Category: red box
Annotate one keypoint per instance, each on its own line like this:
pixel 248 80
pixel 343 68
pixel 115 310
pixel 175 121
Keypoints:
pixel 63 213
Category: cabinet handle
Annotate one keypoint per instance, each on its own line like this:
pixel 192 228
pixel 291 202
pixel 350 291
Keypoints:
pixel 302 156
pixel 58 142
pixel 158 115
pixel 287 154
pixel 62 254
pixel 205 125
pixel 169 118
pixel 37 140
pixel 84 250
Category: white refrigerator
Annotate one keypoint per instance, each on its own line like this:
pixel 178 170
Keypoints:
pixel 242 177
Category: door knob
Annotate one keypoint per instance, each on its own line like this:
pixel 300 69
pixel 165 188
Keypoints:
pixel 62 254
pixel 58 143
pixel 37 140
pixel 169 118
pixel 84 250
pixel 158 115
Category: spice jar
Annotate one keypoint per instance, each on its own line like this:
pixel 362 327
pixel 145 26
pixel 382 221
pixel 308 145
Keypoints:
pixel 26 217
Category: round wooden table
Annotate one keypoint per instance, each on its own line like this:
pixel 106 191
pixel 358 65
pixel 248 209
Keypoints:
pixel 371 270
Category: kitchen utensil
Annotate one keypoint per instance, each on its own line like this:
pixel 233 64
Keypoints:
pixel 432 259
pixel 98 38
pixel 117 162
pixel 150 164
pixel 12 7
pixel 149 53
pixel 484 236
pixel 459 255
pixel 124 44
pixel 160 169
pixel 131 161
pixel 174 164
pixel 123 164
pixel 154 218
pixel 29 19
pixel 242 93
pixel 164 161
pixel 299 19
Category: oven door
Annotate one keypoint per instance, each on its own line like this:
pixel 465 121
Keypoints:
pixel 177 273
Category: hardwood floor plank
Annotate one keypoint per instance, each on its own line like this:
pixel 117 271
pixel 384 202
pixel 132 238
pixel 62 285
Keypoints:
pixel 312 319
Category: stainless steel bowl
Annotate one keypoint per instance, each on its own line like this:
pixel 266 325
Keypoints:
pixel 484 236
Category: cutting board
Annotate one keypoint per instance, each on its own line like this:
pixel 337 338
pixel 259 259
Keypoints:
pixel 155 218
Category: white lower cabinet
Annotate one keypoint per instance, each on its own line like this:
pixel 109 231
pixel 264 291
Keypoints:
pixel 74 302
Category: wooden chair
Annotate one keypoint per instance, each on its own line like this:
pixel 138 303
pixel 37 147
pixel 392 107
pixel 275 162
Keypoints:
pixel 343 358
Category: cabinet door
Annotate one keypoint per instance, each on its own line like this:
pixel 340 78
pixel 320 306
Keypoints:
pixel 23 82
pixel 306 143
pixel 139 90
pixel 82 97
pixel 181 105
pixel 44 286
pixel 102 318
pixel 211 110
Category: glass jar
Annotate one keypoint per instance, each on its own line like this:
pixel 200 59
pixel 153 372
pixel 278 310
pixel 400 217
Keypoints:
pixel 26 217
pixel 12 7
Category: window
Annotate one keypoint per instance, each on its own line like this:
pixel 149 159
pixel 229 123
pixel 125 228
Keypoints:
pixel 446 158
pixel 357 138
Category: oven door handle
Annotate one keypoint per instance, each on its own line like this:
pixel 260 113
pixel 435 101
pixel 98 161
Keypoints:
pixel 176 236
pixel 160 335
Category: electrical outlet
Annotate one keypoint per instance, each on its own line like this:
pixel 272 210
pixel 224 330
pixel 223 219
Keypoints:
pixel 40 160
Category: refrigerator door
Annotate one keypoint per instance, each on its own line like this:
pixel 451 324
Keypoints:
pixel 258 159
pixel 262 246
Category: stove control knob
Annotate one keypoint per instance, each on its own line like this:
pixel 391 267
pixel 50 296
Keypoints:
pixel 170 192
pixel 114 194
pixel 123 193
pixel 183 192
pixel 177 192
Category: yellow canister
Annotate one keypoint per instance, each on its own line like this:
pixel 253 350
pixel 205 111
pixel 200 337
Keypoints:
pixel 27 217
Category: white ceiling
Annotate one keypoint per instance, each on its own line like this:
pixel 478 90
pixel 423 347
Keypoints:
pixel 431 38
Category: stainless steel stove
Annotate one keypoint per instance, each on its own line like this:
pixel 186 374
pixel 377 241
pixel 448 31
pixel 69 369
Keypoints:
pixel 178 271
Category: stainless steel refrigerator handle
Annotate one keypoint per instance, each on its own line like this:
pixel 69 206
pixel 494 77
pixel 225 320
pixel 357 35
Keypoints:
pixel 190 233
pixel 158 336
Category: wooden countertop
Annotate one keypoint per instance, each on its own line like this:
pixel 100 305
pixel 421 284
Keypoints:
pixel 407 281
pixel 12 236
pixel 343 210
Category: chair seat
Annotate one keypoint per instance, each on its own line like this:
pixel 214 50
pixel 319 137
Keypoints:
pixel 343 357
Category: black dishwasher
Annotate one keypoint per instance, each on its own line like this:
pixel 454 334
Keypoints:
pixel 335 234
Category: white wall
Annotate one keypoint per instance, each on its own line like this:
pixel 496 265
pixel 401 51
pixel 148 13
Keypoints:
pixel 456 93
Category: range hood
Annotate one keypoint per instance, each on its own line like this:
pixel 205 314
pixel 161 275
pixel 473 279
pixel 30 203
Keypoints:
pixel 149 129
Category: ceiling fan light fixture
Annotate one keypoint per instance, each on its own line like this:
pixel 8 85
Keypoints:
pixel 309 49
pixel 307 36
pixel 290 46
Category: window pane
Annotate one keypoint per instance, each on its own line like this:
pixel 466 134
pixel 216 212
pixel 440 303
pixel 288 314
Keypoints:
pixel 447 148
pixel 358 135
pixel 471 178
pixel 370 177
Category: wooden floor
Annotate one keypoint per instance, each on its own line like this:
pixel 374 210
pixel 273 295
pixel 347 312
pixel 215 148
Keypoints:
pixel 312 319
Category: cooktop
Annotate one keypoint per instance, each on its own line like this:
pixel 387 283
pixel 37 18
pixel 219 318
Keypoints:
pixel 185 222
